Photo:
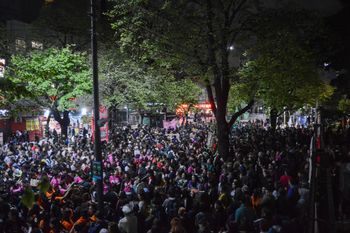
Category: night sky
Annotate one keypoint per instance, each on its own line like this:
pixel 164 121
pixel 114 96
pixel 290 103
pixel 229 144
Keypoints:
pixel 336 12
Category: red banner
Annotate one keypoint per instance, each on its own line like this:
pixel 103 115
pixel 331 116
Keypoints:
pixel 104 129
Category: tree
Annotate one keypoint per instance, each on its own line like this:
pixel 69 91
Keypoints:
pixel 185 94
pixel 55 77
pixel 189 38
pixel 283 67
pixel 344 106
pixel 123 82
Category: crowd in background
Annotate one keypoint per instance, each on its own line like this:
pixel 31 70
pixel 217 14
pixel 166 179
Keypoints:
pixel 158 180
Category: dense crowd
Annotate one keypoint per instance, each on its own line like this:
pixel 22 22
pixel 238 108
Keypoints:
pixel 158 180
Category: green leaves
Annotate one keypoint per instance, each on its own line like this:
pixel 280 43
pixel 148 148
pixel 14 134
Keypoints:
pixel 53 72
pixel 281 67
pixel 124 82
pixel 28 198
pixel 44 184
pixel 344 105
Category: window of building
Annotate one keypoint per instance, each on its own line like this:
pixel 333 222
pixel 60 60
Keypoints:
pixel 20 44
pixel 37 45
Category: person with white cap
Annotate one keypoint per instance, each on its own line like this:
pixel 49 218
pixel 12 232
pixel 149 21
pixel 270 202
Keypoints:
pixel 128 224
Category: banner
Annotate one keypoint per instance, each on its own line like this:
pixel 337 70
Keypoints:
pixel 32 124
pixel 104 129
pixel 169 124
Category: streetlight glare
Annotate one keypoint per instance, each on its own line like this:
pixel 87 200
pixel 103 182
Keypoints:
pixel 47 113
pixel 83 111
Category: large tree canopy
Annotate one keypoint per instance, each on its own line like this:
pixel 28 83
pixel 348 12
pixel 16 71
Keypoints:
pixel 190 38
pixel 123 82
pixel 200 39
pixel 54 77
pixel 283 66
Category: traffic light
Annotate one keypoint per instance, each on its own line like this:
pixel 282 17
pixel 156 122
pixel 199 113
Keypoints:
pixel 21 10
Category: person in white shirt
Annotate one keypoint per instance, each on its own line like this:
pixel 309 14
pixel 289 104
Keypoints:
pixel 128 224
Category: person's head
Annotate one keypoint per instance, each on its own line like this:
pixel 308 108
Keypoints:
pixel 126 210
pixel 176 226
pixel 91 210
pixel 181 212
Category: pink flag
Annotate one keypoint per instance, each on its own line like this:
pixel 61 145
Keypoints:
pixel 78 179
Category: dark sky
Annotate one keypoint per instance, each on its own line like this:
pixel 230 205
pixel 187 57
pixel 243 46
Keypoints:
pixel 325 7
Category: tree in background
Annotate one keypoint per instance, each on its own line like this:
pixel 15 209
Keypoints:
pixel 187 38
pixel 10 94
pixel 124 82
pixel 54 77
pixel 285 80
pixel 284 63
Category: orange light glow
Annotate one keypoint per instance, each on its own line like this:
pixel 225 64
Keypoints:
pixel 184 107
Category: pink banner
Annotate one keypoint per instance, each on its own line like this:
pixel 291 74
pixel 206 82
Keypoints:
pixel 169 124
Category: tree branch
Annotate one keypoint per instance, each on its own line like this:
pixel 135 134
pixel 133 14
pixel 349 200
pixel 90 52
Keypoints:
pixel 240 112
pixel 236 10
pixel 211 50
pixel 211 98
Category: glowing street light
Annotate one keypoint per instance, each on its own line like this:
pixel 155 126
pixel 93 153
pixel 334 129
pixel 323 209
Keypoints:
pixel 47 113
pixel 83 111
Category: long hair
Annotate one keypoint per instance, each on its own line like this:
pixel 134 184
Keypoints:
pixel 176 226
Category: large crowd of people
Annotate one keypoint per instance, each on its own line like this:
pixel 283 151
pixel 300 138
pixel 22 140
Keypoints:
pixel 159 181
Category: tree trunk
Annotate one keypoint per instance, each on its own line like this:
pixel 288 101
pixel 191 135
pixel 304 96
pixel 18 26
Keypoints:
pixel 273 118
pixel 47 127
pixel 223 131
pixel 142 116
pixel 223 138
pixel 64 122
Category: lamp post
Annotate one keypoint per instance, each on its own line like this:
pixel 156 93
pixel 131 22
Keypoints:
pixel 97 165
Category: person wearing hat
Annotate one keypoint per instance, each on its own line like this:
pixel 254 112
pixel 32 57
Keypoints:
pixel 128 224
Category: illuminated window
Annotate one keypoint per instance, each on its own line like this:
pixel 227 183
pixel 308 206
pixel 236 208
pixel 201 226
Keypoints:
pixel 20 44
pixel 37 45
